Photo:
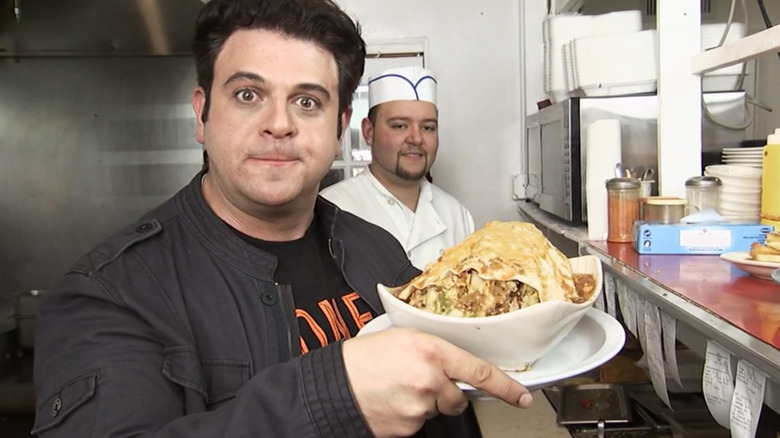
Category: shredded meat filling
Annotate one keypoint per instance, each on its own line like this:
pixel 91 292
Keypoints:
pixel 468 295
pixel 585 285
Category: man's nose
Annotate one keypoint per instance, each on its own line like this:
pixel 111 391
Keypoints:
pixel 277 119
pixel 415 135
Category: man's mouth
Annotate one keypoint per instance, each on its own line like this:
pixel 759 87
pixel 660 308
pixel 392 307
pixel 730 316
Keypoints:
pixel 272 160
pixel 413 154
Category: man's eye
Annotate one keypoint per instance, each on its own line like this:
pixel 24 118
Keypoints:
pixel 398 126
pixel 430 128
pixel 308 103
pixel 246 95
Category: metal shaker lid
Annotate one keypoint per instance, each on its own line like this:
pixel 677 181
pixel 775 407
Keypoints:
pixel 703 181
pixel 623 183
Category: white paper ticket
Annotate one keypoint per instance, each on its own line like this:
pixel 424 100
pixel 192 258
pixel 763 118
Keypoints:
pixel 655 359
pixel 669 330
pixel 717 385
pixel 747 401
pixel 639 304
pixel 627 304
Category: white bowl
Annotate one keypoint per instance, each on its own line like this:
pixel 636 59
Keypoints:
pixel 731 171
pixel 737 206
pixel 740 192
pixel 737 182
pixel 742 216
pixel 512 341
pixel 742 205
pixel 750 198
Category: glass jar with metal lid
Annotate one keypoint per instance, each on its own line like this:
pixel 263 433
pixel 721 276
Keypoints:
pixel 664 210
pixel 701 193
pixel 622 208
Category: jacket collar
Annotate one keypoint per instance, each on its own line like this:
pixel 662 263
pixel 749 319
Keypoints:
pixel 217 236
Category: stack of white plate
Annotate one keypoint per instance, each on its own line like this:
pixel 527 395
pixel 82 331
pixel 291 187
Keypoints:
pixel 740 195
pixel 750 157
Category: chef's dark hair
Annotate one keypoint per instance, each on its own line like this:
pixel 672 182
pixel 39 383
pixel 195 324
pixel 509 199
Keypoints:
pixel 318 21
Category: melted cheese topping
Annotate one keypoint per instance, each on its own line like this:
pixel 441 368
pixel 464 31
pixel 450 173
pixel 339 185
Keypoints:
pixel 502 267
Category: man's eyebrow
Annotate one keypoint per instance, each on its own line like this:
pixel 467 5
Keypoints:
pixel 254 77
pixel 316 88
pixel 409 119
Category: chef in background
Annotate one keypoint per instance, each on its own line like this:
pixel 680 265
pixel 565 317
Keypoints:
pixel 402 129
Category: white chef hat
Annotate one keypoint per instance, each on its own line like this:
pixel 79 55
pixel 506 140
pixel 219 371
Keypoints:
pixel 404 83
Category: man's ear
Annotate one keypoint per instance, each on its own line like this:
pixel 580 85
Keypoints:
pixel 367 129
pixel 199 106
pixel 341 130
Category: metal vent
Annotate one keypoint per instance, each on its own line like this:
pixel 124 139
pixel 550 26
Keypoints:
pixel 651 7
pixel 96 27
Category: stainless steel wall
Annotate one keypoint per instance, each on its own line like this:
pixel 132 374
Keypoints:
pixel 96 125
pixel 87 144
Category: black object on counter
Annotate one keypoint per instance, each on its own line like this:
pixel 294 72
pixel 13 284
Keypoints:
pixel 754 143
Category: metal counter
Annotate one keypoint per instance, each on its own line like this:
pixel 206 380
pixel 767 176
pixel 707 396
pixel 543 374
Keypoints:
pixel 737 311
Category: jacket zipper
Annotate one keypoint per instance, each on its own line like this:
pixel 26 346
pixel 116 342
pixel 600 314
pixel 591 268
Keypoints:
pixel 283 305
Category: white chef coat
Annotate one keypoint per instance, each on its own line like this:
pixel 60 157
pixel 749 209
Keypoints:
pixel 439 222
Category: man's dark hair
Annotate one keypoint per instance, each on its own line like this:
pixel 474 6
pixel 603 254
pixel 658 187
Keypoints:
pixel 319 21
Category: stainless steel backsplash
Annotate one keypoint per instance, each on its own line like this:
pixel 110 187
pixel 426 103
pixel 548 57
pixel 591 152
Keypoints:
pixel 96 126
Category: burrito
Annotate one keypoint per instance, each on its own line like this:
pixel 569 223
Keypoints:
pixel 501 267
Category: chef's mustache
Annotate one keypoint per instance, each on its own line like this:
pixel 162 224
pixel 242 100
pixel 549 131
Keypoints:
pixel 414 150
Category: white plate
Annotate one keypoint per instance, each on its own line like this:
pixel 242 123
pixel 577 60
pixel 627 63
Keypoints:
pixel 742 260
pixel 758 153
pixel 742 157
pixel 737 160
pixel 756 165
pixel 759 160
pixel 595 339
pixel 751 150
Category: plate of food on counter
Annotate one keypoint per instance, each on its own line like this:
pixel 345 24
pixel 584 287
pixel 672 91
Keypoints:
pixel 507 295
pixel 761 260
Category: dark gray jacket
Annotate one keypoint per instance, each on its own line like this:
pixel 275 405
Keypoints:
pixel 175 328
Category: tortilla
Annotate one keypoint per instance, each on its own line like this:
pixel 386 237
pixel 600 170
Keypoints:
pixel 499 268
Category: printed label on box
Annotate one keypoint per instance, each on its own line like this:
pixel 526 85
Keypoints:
pixel 705 238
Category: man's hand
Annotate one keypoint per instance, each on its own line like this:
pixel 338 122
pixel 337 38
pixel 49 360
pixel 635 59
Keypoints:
pixel 401 377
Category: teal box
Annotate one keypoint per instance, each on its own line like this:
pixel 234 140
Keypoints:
pixel 654 238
